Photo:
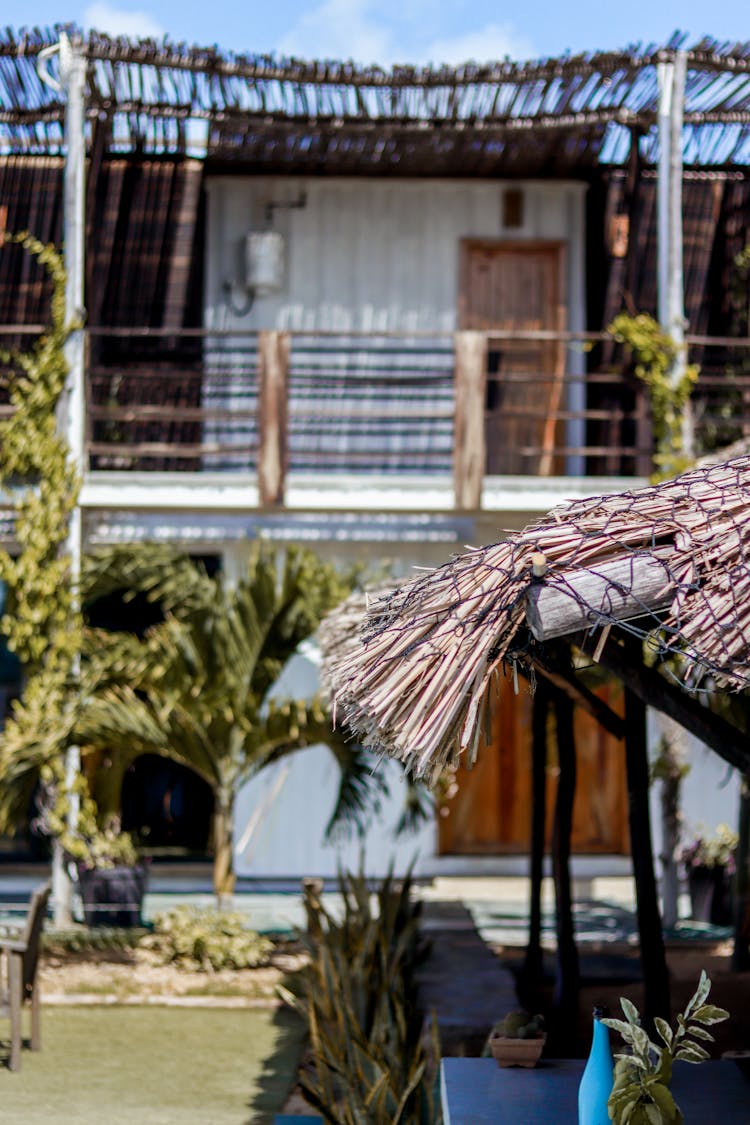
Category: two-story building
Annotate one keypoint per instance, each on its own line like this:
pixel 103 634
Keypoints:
pixel 367 311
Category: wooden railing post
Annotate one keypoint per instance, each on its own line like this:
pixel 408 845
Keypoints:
pixel 469 443
pixel 273 370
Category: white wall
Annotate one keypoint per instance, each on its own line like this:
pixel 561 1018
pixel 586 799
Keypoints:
pixel 375 255
pixel 281 815
pixel 710 791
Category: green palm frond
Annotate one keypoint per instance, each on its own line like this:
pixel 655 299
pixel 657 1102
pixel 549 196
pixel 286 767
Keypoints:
pixel 158 571
pixel 122 722
pixel 418 806
pixel 362 787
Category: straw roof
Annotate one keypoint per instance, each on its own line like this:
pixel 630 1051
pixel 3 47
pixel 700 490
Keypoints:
pixel 414 675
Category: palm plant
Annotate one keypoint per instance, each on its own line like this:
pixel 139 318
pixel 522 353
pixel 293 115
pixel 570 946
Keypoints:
pixel 196 687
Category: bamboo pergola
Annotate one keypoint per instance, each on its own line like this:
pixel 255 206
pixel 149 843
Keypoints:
pixel 285 114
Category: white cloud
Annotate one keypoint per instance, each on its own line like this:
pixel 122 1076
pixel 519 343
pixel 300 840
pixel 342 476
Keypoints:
pixel 121 21
pixel 362 30
pixel 339 29
pixel 488 44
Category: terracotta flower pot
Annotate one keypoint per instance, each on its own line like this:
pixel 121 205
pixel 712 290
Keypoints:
pixel 517 1052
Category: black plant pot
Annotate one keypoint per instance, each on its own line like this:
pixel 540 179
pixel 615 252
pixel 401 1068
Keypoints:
pixel 112 896
pixel 710 895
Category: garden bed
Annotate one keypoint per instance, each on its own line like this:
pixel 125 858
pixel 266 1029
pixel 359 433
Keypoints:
pixel 132 975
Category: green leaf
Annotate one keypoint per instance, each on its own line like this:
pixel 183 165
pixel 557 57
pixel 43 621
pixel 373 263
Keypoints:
pixel 665 1031
pixel 625 1029
pixel 664 1100
pixel 630 1010
pixel 700 994
pixel 692 1053
pixel 709 1014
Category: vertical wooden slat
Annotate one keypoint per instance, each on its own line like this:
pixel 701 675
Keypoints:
pixel 469 448
pixel 273 368
pixel 103 235
pixel 15 985
pixel 178 274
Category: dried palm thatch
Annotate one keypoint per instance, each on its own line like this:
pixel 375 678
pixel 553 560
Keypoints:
pixel 415 679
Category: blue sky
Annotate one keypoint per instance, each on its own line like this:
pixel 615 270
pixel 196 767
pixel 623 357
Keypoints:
pixel 392 31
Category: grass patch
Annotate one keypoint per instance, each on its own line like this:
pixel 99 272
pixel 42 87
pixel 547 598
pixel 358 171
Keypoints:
pixel 163 1066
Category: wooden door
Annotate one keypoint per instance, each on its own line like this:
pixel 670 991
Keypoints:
pixel 518 287
pixel 490 813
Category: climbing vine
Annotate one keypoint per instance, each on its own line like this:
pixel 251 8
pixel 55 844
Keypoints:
pixel 655 353
pixel 42 620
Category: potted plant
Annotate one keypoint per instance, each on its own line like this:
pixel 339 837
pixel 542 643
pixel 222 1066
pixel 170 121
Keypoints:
pixel 517 1040
pixel 640 1093
pixel 709 866
pixel 111 876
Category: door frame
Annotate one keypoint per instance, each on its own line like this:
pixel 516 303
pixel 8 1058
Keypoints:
pixel 466 245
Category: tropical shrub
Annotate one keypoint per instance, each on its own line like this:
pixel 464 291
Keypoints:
pixel 370 1058
pixel 208 939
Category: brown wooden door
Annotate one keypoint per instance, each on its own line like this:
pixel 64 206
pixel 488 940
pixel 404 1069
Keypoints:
pixel 517 287
pixel 490 813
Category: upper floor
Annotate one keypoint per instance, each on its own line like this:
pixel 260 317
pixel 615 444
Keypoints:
pixel 315 289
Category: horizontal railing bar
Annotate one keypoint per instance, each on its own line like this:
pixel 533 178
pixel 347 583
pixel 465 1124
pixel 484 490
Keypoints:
pixel 584 450
pixel 551 335
pixel 372 412
pixel 535 334
pixel 168 449
pixel 167 413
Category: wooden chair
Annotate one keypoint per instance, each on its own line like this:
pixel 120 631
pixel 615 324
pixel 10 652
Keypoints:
pixel 21 954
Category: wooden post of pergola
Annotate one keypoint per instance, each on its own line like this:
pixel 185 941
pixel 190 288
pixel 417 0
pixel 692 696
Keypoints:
pixel 741 950
pixel 567 981
pixel 653 954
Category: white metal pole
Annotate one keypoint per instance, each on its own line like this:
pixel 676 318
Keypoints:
pixel 676 292
pixel 71 417
pixel 671 313
pixel 665 74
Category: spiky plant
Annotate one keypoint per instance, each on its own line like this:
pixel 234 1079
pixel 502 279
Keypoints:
pixel 370 1059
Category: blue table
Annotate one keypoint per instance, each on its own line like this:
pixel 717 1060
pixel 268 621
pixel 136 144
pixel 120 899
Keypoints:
pixel 475 1091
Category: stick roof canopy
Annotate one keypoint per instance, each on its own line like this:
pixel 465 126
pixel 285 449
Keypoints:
pixel 415 674
pixel 560 116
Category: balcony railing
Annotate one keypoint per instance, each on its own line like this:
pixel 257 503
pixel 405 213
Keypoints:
pixel 468 404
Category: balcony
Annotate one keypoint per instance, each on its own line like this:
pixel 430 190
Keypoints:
pixel 454 418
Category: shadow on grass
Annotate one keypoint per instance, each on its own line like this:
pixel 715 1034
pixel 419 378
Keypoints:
pixel 279 1074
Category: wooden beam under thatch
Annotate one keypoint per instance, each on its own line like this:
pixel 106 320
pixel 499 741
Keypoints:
pixel 419 682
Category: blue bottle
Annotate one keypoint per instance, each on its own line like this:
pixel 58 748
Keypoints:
pixel 598 1076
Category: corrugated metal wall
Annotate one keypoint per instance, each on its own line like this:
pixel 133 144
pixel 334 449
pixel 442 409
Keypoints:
pixel 374 255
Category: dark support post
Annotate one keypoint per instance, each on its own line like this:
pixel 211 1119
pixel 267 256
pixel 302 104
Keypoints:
pixel 653 955
pixel 741 951
pixel 532 968
pixel 566 987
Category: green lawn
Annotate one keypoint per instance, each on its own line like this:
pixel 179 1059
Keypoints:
pixel 153 1066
